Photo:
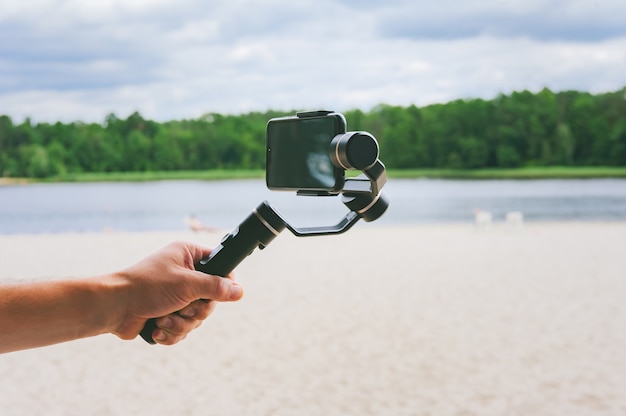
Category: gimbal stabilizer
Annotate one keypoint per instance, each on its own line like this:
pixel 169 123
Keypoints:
pixel 362 195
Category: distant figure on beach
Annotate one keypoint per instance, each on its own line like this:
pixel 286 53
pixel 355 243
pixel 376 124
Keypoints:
pixel 482 219
pixel 196 225
pixel 164 286
pixel 514 219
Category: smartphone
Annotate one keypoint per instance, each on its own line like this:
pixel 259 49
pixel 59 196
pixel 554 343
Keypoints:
pixel 298 153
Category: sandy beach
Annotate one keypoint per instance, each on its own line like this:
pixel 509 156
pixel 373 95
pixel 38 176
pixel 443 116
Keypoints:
pixel 419 320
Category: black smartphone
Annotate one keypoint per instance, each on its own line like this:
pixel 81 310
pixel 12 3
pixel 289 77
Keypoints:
pixel 298 153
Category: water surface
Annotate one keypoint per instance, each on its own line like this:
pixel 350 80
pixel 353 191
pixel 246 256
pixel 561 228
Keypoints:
pixel 163 205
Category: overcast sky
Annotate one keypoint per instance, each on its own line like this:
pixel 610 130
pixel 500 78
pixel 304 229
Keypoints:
pixel 80 60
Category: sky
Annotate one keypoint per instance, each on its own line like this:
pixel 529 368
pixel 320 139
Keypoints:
pixel 70 60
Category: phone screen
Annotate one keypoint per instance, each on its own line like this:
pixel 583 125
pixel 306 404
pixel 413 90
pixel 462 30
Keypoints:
pixel 298 153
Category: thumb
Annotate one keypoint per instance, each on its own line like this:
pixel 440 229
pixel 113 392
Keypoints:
pixel 213 287
pixel 217 288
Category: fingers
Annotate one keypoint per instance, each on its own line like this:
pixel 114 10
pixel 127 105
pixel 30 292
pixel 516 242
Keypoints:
pixel 175 327
pixel 200 310
pixel 197 251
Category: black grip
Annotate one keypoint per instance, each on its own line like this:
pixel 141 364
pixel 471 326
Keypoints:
pixel 257 230
pixel 148 329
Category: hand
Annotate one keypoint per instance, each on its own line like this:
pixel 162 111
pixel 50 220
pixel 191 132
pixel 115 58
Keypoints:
pixel 166 286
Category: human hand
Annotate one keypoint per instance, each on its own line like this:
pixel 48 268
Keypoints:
pixel 166 286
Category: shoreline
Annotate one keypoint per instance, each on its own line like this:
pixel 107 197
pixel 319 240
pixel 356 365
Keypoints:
pixel 495 226
pixel 553 172
pixel 14 181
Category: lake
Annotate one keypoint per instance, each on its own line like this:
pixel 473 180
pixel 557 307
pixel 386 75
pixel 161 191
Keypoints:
pixel 164 205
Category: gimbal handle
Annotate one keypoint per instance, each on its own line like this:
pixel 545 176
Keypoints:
pixel 257 230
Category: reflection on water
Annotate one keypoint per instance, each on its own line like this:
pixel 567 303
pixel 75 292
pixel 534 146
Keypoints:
pixel 164 205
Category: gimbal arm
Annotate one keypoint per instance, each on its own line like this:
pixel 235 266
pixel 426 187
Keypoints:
pixel 362 195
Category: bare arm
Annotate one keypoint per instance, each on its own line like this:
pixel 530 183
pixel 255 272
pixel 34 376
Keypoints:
pixel 165 285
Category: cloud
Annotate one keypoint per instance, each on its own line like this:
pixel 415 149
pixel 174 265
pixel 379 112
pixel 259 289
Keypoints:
pixel 69 60
pixel 560 20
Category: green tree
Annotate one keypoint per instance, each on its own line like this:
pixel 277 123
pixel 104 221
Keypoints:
pixel 138 152
pixel 35 160
pixel 6 150
pixel 508 157
pixel 474 152
pixel 618 144
pixel 565 145
pixel 57 156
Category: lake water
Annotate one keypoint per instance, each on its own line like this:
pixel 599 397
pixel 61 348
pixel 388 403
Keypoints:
pixel 164 205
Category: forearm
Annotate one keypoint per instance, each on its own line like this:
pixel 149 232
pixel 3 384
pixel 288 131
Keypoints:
pixel 39 313
pixel 164 285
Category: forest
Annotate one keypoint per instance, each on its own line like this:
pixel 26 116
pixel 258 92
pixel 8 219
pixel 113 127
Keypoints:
pixel 521 129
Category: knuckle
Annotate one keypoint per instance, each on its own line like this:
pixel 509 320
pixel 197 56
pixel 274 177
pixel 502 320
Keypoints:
pixel 221 288
pixel 169 340
pixel 204 309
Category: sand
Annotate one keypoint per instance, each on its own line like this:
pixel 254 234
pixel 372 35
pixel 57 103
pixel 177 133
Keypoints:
pixel 419 320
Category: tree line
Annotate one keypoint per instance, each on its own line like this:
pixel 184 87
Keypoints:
pixel 569 128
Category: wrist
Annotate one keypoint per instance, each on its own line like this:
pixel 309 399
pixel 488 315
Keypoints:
pixel 111 296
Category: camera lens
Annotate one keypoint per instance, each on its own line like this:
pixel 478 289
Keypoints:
pixel 354 150
pixel 362 151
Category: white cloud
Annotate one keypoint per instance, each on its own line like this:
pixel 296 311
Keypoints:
pixel 69 60
pixel 568 20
